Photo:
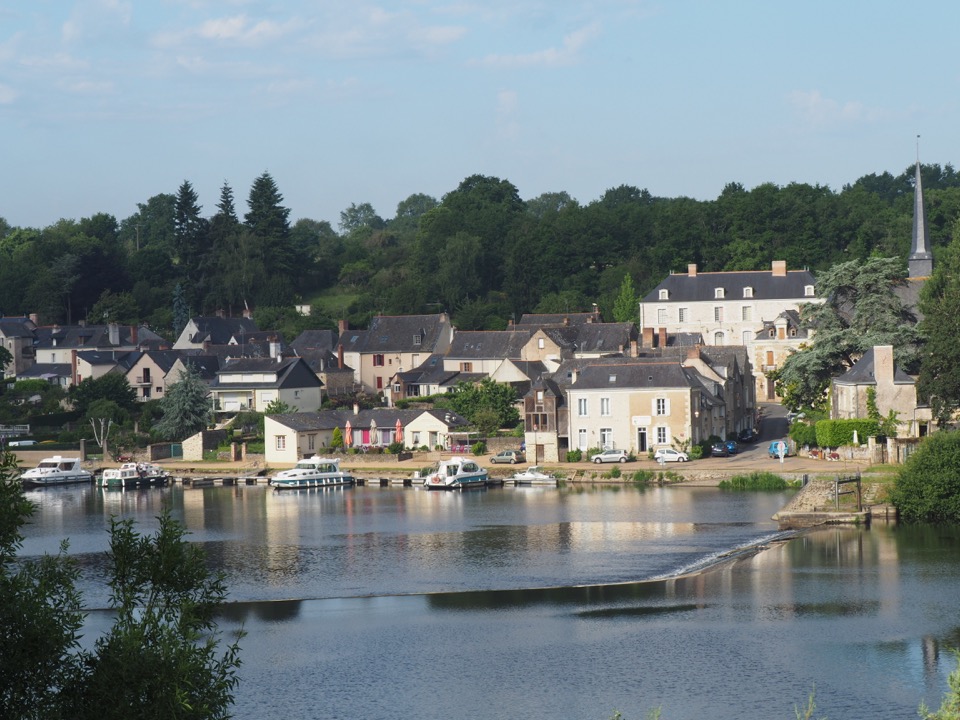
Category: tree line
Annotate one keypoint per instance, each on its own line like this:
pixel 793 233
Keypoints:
pixel 480 252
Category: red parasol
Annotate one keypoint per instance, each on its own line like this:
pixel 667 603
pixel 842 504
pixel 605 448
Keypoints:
pixel 348 435
pixel 398 435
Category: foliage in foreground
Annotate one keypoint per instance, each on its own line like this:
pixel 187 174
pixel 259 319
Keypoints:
pixel 950 706
pixel 927 488
pixel 162 657
pixel 755 481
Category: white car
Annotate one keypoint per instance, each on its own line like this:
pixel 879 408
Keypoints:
pixel 663 455
pixel 609 456
pixel 22 443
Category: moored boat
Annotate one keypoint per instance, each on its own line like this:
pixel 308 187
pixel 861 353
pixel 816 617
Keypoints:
pixel 56 470
pixel 314 472
pixel 456 473
pixel 133 474
pixel 534 475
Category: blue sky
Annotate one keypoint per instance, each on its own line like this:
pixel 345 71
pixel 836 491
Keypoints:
pixel 105 103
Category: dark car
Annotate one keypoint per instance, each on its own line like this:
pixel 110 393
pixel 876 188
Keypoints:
pixel 719 450
pixel 732 447
pixel 748 435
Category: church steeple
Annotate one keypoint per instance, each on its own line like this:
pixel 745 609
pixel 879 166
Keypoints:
pixel 920 263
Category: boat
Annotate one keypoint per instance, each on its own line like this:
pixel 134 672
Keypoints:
pixel 313 472
pixel 56 470
pixel 534 475
pixel 133 474
pixel 456 473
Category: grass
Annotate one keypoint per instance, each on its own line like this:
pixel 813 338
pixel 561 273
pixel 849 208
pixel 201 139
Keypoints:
pixel 755 481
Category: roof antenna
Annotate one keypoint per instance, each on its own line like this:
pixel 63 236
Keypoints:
pixel 918 149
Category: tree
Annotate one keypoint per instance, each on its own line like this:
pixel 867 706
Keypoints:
pixel 474 400
pixel 6 359
pixel 927 488
pixel 112 386
pixel 185 407
pixel 626 306
pixel 860 310
pixel 161 659
pixel 190 238
pixel 939 379
pixel 278 407
pixel 115 307
pixel 40 614
pixel 181 311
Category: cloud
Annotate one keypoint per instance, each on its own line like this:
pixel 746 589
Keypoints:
pixel 567 54
pixel 822 111
pixel 92 17
pixel 236 30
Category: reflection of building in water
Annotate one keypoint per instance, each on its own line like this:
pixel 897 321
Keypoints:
pixel 931 655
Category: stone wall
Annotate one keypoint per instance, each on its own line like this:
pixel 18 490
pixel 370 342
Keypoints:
pixel 196 445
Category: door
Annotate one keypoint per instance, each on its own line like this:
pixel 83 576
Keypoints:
pixel 641 440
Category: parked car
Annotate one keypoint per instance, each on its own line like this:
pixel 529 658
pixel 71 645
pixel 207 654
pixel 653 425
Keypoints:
pixel 719 450
pixel 21 443
pixel 508 456
pixel 775 447
pixel 748 435
pixel 609 456
pixel 663 455
pixel 732 447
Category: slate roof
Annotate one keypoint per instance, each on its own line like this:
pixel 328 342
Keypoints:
pixel 862 373
pixel 544 319
pixel 45 370
pixel 648 374
pixel 793 323
pixel 489 344
pixel 164 359
pixel 533 369
pixel 290 373
pixel 397 333
pixel 218 330
pixel 683 287
pixel 207 366
pixel 315 340
pixel 384 417
pixel 15 327
pixel 90 336
pixel 109 357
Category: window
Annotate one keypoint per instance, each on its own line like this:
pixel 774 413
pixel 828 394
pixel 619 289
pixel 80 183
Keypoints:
pixel 748 292
pixel 466 367
pixel 311 442
pixel 379 383
pixel 378 360
pixel 793 332
pixel 417 339
pixel 540 344
pixel 661 406
pixel 746 313
pixel 661 316
pixel 146 392
pixel 808 290
pixel 605 406
pixel 296 394
pixel 718 338
pixel 664 295
pixel 773 333
pixel 662 435
pixel 718 293
pixel 396 388
pixel 718 313
pixel 146 375
pixel 281 442
pixel 582 438
pixel 539 397
pixel 582 407
pixel 683 313
pixel 606 438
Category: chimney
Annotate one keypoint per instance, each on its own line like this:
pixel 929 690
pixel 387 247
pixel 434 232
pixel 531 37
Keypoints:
pixel 634 350
pixel 662 340
pixel 35 318
pixel 113 333
pixel 596 313
pixel 340 357
pixel 343 326
pixel 221 313
pixel 883 364
pixel 206 346
pixel 692 269
pixel 693 352
pixel 247 312
pixel 779 268
pixel 73 367
pixel 510 323
pixel 356 409
pixel 648 337
pixel 573 375
pixel 134 335
pixel 274 348
pixel 566 322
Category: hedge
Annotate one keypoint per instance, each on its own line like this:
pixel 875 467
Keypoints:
pixel 833 433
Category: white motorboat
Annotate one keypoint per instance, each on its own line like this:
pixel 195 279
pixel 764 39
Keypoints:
pixel 534 475
pixel 133 474
pixel 56 470
pixel 456 473
pixel 314 472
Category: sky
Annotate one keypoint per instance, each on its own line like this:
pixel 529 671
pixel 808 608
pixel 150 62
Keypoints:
pixel 106 103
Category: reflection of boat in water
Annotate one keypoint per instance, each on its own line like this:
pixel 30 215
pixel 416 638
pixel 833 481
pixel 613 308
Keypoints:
pixel 133 474
pixel 456 473
pixel 314 472
pixel 534 475
pixel 56 470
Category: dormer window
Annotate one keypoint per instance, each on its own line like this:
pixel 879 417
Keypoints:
pixel 417 339
pixel 613 378
pixel 664 294
pixel 748 292
pixel 808 290
pixel 793 332
pixel 718 293
pixel 773 333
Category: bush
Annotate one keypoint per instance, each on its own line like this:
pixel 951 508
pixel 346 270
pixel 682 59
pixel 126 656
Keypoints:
pixel 614 473
pixel 755 481
pixel 479 448
pixel 574 455
pixel 833 433
pixel 803 434
pixel 395 448
pixel 696 452
pixel 927 488
pixel 641 477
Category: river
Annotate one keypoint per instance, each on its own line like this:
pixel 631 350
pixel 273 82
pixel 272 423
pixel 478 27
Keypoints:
pixel 529 602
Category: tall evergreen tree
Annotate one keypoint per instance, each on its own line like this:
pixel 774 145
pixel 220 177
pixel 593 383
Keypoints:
pixel 191 242
pixel 626 306
pixel 185 407
pixel 268 222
